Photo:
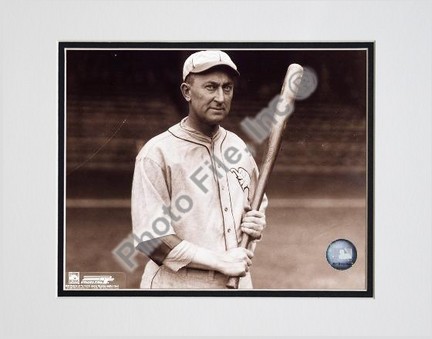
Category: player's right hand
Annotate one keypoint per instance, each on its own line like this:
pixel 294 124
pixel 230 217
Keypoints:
pixel 235 262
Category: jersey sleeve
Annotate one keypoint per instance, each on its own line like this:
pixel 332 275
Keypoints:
pixel 150 202
pixel 180 256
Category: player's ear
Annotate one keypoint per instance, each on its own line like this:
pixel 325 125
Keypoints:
pixel 185 89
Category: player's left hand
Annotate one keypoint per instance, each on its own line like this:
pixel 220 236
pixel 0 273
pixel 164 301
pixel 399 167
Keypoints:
pixel 253 224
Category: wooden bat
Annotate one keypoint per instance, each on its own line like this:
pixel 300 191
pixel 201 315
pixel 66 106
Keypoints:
pixel 284 109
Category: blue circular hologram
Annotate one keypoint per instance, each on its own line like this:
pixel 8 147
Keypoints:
pixel 341 254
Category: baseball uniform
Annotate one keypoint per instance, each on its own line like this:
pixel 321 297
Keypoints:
pixel 196 187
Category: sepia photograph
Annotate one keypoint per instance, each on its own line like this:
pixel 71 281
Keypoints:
pixel 216 169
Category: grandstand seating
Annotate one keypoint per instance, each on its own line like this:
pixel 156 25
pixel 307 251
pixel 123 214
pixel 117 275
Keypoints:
pixel 106 133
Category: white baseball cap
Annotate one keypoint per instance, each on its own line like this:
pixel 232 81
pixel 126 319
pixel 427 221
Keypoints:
pixel 204 60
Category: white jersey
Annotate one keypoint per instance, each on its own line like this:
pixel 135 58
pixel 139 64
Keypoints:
pixel 196 187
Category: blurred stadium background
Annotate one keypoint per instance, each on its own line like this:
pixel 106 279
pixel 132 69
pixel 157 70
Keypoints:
pixel 119 99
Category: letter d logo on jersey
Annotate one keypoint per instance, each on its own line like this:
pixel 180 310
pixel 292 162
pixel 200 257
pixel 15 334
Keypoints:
pixel 243 178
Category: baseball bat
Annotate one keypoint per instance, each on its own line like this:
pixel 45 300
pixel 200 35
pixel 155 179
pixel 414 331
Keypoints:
pixel 284 109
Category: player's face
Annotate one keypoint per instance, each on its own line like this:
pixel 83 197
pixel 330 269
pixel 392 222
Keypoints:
pixel 210 97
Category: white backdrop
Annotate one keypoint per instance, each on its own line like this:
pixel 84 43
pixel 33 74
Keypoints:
pixel 30 31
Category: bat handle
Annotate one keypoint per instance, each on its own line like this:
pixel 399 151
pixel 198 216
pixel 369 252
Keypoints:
pixel 233 282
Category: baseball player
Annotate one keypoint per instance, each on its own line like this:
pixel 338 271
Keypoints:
pixel 192 187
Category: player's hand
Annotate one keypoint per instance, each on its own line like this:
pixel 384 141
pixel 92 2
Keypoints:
pixel 235 262
pixel 253 224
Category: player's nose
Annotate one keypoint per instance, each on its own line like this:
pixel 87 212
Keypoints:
pixel 219 95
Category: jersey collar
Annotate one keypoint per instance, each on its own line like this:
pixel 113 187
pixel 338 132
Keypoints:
pixel 185 132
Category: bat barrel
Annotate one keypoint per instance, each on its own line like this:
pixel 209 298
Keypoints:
pixel 284 109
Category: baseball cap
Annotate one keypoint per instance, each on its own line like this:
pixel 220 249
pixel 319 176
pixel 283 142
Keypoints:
pixel 201 61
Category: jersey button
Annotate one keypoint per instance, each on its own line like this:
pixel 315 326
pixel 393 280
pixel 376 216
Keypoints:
pixel 229 230
pixel 226 209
